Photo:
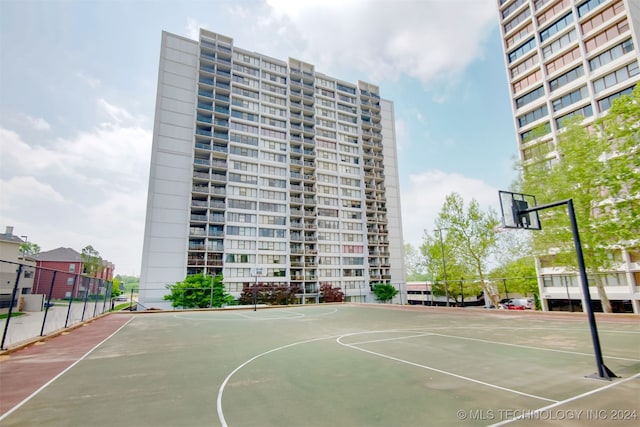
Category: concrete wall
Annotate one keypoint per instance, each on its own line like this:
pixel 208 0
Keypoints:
pixel 166 227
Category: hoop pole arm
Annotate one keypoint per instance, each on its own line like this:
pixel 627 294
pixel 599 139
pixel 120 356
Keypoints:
pixel 542 207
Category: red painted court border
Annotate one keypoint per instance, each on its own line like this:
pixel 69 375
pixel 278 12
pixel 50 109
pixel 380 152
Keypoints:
pixel 23 371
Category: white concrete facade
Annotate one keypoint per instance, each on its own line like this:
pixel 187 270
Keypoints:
pixel 566 57
pixel 263 163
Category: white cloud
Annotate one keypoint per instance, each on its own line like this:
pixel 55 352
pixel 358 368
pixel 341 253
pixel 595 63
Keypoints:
pixel 91 81
pixel 193 28
pixel 426 193
pixel 20 189
pixel 384 39
pixel 37 123
pixel 115 113
pixel 87 189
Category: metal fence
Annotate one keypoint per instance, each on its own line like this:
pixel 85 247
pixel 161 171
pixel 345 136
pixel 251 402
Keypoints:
pixel 47 300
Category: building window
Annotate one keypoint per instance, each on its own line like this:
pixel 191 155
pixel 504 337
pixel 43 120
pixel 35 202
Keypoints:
pixel 563 60
pixel 527 81
pixel 607 35
pixel 529 97
pixel 525 66
pixel 535 132
pixel 618 76
pixel 522 50
pixel 72 268
pixel 241 231
pixel 559 44
pixel 565 78
pixel 588 6
pixel 586 111
pixel 517 20
pixel 532 116
pixel 556 27
pixel 605 103
pixel 611 55
pixel 70 281
pixel 551 11
pixel 570 98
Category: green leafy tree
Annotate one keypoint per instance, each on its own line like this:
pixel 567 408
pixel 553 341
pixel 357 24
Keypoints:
pixel 434 251
pixel 91 260
pixel 415 264
pixel 29 248
pixel 115 287
pixel 198 291
pixel 469 243
pixel 517 276
pixel 219 297
pixel 384 291
pixel 597 168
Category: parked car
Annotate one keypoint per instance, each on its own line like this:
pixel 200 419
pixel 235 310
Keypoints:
pixel 516 304
pixel 122 297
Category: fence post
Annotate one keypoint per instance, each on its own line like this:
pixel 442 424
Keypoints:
pixel 73 289
pixel 46 309
pixel 13 297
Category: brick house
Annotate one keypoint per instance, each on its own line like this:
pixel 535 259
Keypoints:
pixel 60 272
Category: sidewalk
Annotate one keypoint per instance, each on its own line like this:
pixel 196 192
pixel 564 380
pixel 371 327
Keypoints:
pixel 27 327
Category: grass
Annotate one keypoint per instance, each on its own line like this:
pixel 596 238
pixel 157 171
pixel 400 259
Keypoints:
pixel 14 314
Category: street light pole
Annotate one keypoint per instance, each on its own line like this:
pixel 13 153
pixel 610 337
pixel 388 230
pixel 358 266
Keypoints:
pixel 444 264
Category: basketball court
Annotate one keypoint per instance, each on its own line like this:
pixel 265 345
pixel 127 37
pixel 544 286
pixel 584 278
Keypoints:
pixel 341 365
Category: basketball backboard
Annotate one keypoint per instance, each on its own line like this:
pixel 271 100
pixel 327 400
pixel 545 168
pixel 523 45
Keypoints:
pixel 514 206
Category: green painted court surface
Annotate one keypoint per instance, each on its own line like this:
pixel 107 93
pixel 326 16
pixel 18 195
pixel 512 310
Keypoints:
pixel 348 365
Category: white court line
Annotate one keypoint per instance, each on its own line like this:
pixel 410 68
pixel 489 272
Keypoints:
pixel 532 347
pixel 297 316
pixel 438 370
pixel 32 395
pixel 234 316
pixel 223 421
pixel 392 339
pixel 562 402
pixel 338 337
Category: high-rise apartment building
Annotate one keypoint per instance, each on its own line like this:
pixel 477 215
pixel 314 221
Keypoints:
pixel 563 58
pixel 267 170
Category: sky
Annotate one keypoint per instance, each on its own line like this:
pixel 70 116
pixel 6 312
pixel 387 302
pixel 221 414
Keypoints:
pixel 78 85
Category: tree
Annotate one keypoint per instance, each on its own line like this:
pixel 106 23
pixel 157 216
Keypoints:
pixel 330 294
pixel 384 292
pixel 28 248
pixel 517 276
pixel 198 291
pixel 219 297
pixel 469 243
pixel 597 168
pixel 415 264
pixel 115 287
pixel 268 293
pixel 91 260
pixel 434 250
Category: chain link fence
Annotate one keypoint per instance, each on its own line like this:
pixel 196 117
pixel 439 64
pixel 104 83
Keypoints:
pixel 37 301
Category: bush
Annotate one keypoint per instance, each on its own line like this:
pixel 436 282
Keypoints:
pixel 384 292
pixel 329 294
pixel 268 293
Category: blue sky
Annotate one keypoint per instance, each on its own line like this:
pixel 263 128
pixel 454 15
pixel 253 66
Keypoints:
pixel 77 98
